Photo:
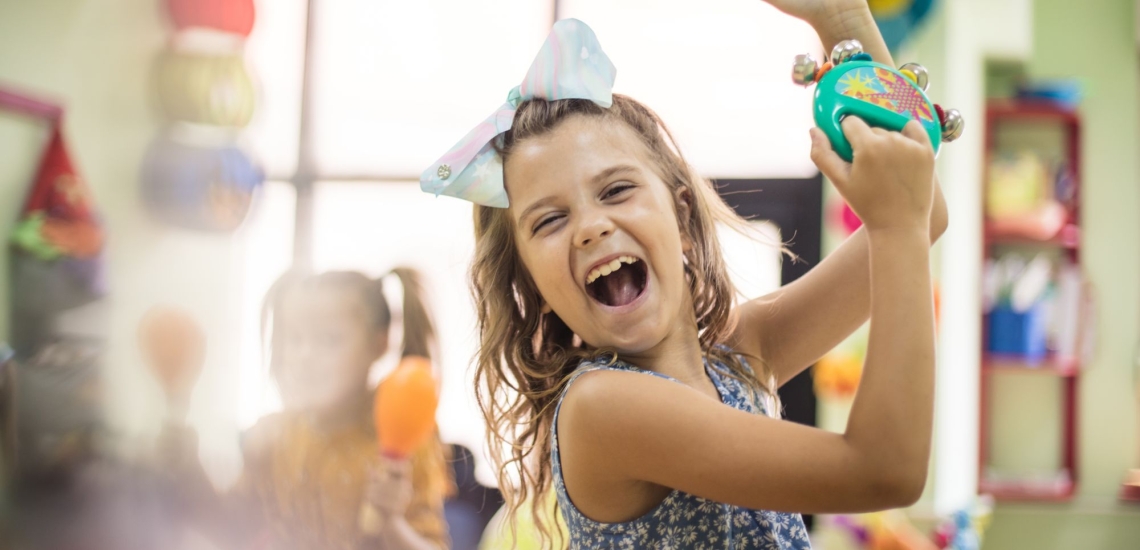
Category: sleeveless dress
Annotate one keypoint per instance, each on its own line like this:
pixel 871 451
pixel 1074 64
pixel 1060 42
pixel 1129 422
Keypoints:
pixel 682 520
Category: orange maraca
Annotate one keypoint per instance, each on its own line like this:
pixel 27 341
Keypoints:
pixel 404 413
pixel 405 407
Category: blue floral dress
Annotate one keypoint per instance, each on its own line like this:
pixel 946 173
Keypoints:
pixel 682 520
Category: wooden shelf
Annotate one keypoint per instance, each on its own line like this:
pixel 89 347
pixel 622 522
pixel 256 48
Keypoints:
pixel 1069 238
pixel 1061 485
pixel 1130 490
pixel 1032 110
pixel 1050 364
pixel 1029 490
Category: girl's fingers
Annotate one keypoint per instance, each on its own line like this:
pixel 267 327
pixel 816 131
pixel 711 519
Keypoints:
pixel 915 131
pixel 857 131
pixel 824 157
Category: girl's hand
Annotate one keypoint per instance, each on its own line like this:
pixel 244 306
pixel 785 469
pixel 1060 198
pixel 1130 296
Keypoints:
pixel 890 184
pixel 389 488
pixel 826 16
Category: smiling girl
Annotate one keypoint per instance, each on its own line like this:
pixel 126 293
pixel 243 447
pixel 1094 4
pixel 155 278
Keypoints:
pixel 614 365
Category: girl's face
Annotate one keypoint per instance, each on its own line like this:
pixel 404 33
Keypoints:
pixel 328 346
pixel 597 230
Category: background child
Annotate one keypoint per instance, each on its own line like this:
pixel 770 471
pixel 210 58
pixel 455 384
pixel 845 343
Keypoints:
pixel 616 365
pixel 309 469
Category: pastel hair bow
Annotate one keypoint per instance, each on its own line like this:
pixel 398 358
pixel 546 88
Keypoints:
pixel 570 65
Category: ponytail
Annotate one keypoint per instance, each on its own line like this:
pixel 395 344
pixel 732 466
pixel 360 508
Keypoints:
pixel 419 329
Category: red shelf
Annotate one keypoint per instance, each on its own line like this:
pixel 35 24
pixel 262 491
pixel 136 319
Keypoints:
pixel 1028 490
pixel 1069 237
pixel 1050 364
pixel 1130 490
pixel 1033 110
pixel 1033 488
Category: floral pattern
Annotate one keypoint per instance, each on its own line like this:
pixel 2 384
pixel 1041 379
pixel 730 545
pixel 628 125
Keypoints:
pixel 683 520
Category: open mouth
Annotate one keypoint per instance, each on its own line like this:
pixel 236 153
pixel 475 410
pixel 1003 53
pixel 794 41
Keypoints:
pixel 619 282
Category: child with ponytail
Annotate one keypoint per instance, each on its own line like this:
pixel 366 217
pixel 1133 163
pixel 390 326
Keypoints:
pixel 310 468
pixel 616 369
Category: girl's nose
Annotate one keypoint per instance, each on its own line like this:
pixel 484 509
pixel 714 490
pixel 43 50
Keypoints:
pixel 593 228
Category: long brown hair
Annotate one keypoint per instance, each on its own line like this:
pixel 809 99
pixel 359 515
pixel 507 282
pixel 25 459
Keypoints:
pixel 418 326
pixel 526 356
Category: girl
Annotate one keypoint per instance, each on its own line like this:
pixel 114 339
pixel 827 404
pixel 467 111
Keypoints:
pixel 309 469
pixel 613 365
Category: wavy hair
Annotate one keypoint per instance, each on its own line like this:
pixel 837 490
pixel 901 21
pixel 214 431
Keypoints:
pixel 526 356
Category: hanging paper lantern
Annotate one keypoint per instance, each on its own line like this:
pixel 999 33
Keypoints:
pixel 232 16
pixel 198 187
pixel 897 19
pixel 206 88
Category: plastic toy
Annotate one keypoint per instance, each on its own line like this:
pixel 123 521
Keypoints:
pixel 849 83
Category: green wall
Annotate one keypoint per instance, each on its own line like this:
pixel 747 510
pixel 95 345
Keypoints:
pixel 92 57
pixel 1095 42
pixel 95 57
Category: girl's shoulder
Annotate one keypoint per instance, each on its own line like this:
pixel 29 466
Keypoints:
pixel 268 432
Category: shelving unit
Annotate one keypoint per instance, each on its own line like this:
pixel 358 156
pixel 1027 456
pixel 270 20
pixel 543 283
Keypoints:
pixel 1062 484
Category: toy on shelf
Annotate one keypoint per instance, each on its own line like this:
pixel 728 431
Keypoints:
pixel 1130 490
pixel 964 529
pixel 893 530
pixel 849 83
pixel 889 530
pixel 837 374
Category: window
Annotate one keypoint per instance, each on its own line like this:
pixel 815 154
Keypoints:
pixel 373 227
pixel 395 83
pixel 719 74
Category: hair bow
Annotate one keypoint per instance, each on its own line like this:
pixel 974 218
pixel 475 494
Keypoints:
pixel 570 65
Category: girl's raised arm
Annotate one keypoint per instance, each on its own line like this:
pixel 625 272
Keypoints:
pixel 620 428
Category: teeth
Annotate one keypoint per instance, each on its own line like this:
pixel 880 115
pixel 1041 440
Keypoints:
pixel 606 269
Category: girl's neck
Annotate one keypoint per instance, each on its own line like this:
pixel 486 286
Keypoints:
pixel 678 355
pixel 348 413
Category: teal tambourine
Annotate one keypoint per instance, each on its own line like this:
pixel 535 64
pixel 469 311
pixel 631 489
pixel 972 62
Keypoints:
pixel 884 97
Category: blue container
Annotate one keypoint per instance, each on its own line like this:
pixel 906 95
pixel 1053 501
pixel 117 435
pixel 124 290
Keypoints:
pixel 1018 333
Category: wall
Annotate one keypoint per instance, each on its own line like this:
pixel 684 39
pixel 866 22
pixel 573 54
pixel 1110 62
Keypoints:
pixel 1094 42
pixel 95 57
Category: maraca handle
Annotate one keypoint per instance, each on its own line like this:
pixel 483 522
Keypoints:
pixel 371 521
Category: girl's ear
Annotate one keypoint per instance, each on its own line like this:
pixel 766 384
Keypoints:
pixel 546 307
pixel 683 197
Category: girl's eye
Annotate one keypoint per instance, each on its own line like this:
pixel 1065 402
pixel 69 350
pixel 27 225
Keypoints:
pixel 544 222
pixel 616 190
